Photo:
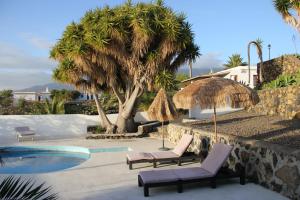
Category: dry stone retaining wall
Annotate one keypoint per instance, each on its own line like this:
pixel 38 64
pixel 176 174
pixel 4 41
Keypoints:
pixel 273 166
pixel 282 65
pixel 281 101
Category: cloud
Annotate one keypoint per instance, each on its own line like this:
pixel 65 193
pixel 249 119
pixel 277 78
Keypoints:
pixel 203 65
pixel 20 80
pixel 209 60
pixel 37 41
pixel 18 69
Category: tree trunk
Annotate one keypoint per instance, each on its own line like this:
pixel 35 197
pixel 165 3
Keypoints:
pixel 104 121
pixel 125 124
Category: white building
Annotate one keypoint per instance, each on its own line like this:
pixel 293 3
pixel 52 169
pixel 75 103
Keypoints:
pixel 41 96
pixel 32 96
pixel 239 74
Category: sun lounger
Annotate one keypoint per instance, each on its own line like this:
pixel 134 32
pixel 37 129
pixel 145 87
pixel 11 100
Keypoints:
pixel 24 132
pixel 210 170
pixel 154 157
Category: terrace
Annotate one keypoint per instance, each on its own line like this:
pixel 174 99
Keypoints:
pixel 106 176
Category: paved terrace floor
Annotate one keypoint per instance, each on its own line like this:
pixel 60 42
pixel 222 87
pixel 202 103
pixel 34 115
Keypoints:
pixel 105 176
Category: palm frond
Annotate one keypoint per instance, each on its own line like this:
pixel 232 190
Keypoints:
pixel 18 188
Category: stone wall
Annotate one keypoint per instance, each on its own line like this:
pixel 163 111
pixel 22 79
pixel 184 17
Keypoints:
pixel 281 101
pixel 273 166
pixel 282 65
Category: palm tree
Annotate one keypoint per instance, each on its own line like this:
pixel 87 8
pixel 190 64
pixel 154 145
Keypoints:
pixel 260 42
pixel 16 188
pixel 122 49
pixel 259 52
pixel 234 61
pixel 290 11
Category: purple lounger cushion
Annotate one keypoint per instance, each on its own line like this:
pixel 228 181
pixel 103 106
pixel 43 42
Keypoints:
pixel 158 176
pixel 178 151
pixel 164 155
pixel 216 158
pixel 209 168
pixel 191 173
pixel 183 144
pixel 135 156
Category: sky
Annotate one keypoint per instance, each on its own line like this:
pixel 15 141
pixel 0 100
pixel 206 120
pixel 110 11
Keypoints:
pixel 29 28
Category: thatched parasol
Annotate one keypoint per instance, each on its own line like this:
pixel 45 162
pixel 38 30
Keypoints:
pixel 215 92
pixel 162 109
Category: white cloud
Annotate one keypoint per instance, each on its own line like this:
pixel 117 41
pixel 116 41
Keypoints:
pixel 205 63
pixel 20 80
pixel 37 41
pixel 209 60
pixel 19 69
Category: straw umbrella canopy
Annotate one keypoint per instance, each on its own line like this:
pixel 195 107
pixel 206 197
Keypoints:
pixel 213 93
pixel 162 109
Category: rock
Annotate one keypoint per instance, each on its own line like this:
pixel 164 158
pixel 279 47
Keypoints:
pixel 297 115
pixel 263 152
pixel 275 160
pixel 289 175
pixel 245 156
pixel 257 161
pixel 276 187
pixel 236 151
pixel 268 171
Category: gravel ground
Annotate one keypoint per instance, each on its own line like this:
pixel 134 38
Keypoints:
pixel 274 129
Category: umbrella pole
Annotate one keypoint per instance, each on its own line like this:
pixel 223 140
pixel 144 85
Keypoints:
pixel 163 135
pixel 163 148
pixel 215 122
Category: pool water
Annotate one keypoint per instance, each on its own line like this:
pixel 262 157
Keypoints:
pixel 44 159
pixel 39 161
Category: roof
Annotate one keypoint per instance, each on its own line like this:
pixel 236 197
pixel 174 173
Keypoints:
pixel 222 73
pixel 31 92
pixel 187 81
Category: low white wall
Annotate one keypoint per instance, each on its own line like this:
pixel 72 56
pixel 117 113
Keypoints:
pixel 52 126
pixel 197 113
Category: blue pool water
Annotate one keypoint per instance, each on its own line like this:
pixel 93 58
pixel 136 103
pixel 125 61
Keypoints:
pixel 43 159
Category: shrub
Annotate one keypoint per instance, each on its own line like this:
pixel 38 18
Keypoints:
pixel 283 81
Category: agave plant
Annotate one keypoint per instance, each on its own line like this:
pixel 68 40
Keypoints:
pixel 16 188
pixel 55 106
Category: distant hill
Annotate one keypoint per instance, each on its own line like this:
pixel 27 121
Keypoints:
pixel 50 86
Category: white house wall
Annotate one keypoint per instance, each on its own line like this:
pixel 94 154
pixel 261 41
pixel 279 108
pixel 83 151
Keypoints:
pixel 197 113
pixel 28 97
pixel 52 126
pixel 242 75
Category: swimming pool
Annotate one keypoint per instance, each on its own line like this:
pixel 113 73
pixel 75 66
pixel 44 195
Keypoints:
pixel 44 159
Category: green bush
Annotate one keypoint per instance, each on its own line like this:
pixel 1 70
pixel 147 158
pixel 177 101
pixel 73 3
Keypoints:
pixel 283 81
